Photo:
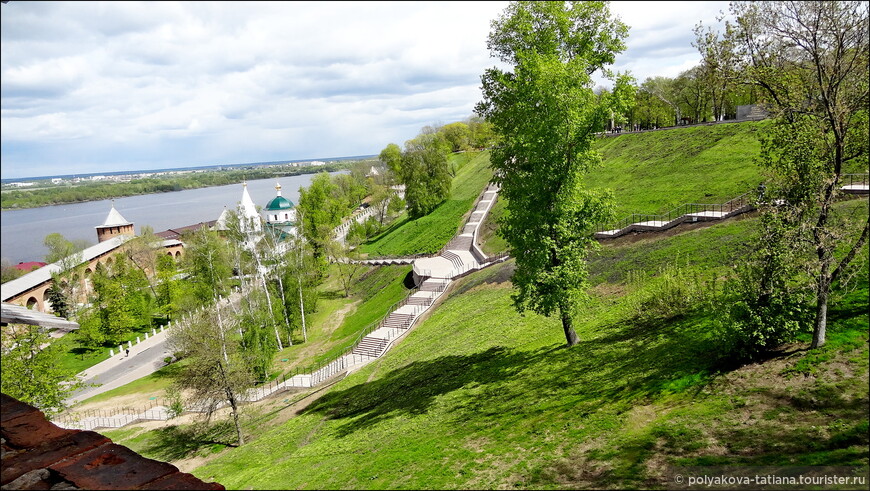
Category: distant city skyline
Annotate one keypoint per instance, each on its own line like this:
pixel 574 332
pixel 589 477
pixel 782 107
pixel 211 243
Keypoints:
pixel 91 87
pixel 316 161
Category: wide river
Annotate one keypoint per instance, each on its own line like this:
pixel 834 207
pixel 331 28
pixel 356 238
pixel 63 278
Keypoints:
pixel 23 231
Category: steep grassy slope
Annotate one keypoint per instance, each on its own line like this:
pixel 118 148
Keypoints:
pixel 656 171
pixel 478 396
pixel 428 234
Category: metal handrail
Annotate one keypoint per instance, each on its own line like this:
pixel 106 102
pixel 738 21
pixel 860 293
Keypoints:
pixel 856 178
pixel 680 212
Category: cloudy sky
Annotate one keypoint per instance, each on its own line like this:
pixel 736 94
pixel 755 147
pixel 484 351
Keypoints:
pixel 111 86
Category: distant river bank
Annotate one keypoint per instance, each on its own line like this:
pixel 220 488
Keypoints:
pixel 23 231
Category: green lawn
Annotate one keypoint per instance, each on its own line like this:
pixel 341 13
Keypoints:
pixel 478 396
pixel 657 171
pixel 428 234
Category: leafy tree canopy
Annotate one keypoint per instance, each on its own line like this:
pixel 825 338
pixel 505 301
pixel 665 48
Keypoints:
pixel 547 114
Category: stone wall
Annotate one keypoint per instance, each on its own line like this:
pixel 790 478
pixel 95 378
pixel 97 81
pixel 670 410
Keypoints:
pixel 37 454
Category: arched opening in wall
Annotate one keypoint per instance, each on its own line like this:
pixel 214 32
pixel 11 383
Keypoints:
pixel 169 254
pixel 86 282
pixel 46 301
pixel 177 254
pixel 32 302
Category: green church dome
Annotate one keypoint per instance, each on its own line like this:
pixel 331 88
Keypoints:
pixel 279 203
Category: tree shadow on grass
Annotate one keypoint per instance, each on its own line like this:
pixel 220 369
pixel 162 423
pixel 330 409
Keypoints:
pixel 387 231
pixel 82 351
pixel 506 385
pixel 171 371
pixel 412 389
pixel 616 367
pixel 179 442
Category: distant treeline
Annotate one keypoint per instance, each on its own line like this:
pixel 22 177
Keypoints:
pixel 99 190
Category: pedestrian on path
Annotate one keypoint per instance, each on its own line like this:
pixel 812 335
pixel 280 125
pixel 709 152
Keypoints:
pixel 128 352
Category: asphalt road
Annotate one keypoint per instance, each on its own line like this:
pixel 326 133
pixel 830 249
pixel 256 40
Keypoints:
pixel 124 369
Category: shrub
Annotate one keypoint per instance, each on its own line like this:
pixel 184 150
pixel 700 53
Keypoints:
pixel 754 321
pixel 176 404
pixel 674 291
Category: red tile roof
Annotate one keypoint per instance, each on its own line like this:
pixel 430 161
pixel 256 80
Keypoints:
pixel 31 265
pixel 174 233
pixel 36 454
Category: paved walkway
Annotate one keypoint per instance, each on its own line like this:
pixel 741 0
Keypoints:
pixel 145 358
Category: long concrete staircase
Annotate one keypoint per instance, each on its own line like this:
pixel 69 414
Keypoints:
pixel 434 274
pixel 461 254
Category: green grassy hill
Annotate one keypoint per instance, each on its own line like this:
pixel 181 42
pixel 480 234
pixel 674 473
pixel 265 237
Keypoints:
pixel 656 171
pixel 649 172
pixel 428 234
pixel 480 397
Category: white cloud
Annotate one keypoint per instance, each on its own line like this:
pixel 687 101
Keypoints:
pixel 157 84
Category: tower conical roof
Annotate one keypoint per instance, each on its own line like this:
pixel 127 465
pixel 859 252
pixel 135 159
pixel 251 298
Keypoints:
pixel 221 223
pixel 114 219
pixel 251 221
pixel 248 208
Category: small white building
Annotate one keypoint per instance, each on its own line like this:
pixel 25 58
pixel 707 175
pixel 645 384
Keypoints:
pixel 281 213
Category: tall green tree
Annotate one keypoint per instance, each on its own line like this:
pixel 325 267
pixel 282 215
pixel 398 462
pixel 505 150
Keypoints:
pixel 691 93
pixel 547 114
pixel 59 248
pixel 667 91
pixel 121 299
pixel 425 173
pixel 811 59
pixel 300 281
pixel 717 65
pixel 207 262
pixel 458 135
pixel 650 110
pixel 142 253
pixel 58 301
pixel 169 290
pixel 391 156
pixel 65 281
pixel 319 213
pixel 481 134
